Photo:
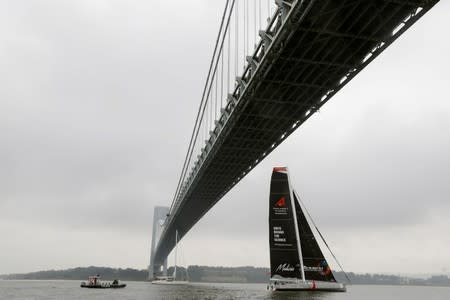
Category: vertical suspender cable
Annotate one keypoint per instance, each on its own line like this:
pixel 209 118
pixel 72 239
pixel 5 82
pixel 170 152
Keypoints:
pixel 248 29
pixel 208 104
pixel 215 103
pixel 228 68
pixel 254 22
pixel 221 80
pixel 247 23
pixel 217 87
pixel 260 23
pixel 245 29
pixel 236 54
pixel 214 95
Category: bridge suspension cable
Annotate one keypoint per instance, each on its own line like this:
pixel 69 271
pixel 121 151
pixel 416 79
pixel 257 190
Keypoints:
pixel 192 140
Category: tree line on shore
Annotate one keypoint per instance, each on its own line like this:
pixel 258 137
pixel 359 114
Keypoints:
pixel 246 274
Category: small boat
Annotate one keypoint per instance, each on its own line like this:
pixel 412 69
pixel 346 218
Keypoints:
pixel 168 280
pixel 171 280
pixel 95 283
pixel 296 261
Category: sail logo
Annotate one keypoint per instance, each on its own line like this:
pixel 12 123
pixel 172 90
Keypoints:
pixel 280 207
pixel 281 202
pixel 321 268
pixel 326 270
pixel 285 268
pixel 313 269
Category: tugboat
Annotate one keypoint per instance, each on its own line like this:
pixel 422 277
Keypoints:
pixel 95 283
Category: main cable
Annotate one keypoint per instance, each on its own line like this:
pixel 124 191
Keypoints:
pixel 201 110
pixel 216 65
pixel 192 140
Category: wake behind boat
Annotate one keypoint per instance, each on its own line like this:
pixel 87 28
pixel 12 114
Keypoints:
pixel 168 280
pixel 95 283
pixel 296 260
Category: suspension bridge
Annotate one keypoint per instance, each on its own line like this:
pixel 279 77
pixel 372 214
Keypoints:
pixel 273 66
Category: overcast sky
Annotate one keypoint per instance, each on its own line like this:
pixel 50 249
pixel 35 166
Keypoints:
pixel 97 102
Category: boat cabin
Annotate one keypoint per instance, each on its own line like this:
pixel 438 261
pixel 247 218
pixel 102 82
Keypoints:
pixel 94 280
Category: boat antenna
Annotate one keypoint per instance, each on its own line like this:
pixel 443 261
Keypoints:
pixel 321 236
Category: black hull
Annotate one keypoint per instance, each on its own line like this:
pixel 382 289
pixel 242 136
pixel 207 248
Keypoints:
pixel 115 286
pixel 311 290
pixel 307 286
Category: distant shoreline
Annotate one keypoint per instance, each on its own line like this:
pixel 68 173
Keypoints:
pixel 205 274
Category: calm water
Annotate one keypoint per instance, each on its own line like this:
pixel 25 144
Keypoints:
pixel 68 290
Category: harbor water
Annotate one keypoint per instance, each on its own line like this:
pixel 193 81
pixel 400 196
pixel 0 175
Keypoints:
pixel 70 290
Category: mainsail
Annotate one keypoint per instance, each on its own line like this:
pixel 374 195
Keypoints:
pixel 284 252
pixel 294 251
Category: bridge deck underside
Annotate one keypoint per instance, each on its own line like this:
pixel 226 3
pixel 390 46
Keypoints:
pixel 332 40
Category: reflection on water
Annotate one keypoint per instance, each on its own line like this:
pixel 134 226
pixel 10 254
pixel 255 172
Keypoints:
pixel 70 290
pixel 260 291
pixel 297 295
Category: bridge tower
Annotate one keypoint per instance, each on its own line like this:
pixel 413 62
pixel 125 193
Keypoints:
pixel 159 218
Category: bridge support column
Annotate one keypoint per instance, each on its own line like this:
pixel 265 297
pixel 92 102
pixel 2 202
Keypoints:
pixel 154 269
pixel 165 268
